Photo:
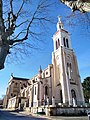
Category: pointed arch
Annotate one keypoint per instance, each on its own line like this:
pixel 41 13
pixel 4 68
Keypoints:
pixel 46 90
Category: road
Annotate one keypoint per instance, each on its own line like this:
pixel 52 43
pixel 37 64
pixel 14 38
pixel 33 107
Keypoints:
pixel 12 115
pixel 7 115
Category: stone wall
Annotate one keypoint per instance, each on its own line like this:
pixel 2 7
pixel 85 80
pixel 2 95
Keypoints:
pixel 12 102
pixel 65 111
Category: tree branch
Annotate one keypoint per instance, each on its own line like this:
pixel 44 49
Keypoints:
pixel 12 20
pixel 20 9
pixel 11 42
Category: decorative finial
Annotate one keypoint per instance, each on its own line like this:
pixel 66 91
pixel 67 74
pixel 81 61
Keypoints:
pixel 12 74
pixel 59 18
pixel 59 24
pixel 40 69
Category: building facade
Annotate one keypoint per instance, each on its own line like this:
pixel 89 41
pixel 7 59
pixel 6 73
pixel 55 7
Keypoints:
pixel 58 84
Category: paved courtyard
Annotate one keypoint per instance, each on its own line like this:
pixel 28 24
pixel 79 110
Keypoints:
pixel 12 115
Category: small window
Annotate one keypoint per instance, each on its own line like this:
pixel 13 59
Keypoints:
pixel 46 73
pixel 11 94
pixel 64 42
pixel 12 81
pixel 14 95
pixel 67 43
pixel 22 87
pixel 16 84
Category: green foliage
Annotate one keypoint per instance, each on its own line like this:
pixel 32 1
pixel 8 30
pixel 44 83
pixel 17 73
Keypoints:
pixel 86 89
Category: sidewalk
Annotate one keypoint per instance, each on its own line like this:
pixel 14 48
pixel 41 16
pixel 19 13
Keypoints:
pixel 55 117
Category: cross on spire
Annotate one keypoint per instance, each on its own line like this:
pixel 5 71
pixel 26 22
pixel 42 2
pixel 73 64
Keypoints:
pixel 59 24
pixel 59 18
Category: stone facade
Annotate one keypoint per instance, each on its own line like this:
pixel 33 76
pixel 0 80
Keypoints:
pixel 58 85
pixel 15 85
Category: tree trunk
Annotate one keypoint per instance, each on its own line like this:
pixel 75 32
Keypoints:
pixel 4 50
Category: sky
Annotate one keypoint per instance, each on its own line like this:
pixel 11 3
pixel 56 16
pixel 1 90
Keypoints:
pixel 29 65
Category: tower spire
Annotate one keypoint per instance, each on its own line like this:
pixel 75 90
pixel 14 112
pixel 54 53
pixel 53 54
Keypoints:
pixel 59 24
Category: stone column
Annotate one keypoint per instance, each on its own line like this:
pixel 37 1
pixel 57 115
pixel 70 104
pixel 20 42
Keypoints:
pixel 67 89
pixel 44 100
pixel 25 105
pixel 74 102
pixel 19 107
pixel 53 101
pixel 47 100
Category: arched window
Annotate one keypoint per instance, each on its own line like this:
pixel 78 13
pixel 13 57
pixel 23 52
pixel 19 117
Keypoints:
pixel 67 43
pixel 58 42
pixel 46 90
pixel 64 42
pixel 56 45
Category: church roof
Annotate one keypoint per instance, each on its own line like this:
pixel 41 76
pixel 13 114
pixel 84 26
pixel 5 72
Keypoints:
pixel 17 78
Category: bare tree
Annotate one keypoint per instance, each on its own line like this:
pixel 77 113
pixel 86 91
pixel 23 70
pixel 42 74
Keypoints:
pixel 81 5
pixel 16 23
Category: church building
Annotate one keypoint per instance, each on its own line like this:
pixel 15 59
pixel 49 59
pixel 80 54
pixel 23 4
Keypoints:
pixel 58 85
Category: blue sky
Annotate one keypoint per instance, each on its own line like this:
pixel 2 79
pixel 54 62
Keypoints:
pixel 29 66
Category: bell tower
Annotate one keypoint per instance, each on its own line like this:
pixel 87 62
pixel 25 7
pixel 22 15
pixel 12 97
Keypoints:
pixel 61 37
pixel 67 87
